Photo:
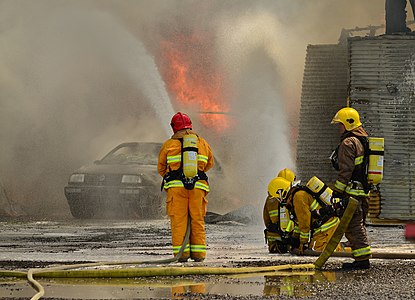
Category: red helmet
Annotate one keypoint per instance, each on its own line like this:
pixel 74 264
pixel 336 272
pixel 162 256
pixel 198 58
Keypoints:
pixel 180 121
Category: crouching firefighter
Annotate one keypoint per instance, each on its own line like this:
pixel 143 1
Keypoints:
pixel 279 227
pixel 314 230
pixel 183 161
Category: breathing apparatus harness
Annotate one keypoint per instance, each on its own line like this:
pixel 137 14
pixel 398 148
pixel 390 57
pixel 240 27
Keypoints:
pixel 286 236
pixel 323 214
pixel 359 175
pixel 276 227
pixel 188 182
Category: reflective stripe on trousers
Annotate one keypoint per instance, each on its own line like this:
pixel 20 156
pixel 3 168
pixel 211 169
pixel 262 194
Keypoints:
pixel 357 235
pixel 180 204
pixel 361 252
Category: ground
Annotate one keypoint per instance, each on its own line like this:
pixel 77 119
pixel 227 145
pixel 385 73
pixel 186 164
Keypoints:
pixel 38 244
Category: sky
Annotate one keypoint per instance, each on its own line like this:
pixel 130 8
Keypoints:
pixel 79 77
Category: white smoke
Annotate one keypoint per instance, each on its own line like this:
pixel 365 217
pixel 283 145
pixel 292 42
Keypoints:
pixel 249 47
pixel 79 77
pixel 76 84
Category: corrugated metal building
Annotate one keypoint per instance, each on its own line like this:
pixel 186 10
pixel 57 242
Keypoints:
pixel 378 73
pixel 382 78
pixel 324 92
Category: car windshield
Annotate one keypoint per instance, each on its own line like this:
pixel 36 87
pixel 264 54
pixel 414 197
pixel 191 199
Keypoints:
pixel 134 153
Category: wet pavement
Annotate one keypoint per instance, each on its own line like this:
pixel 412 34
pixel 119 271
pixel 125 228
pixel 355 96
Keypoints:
pixel 39 244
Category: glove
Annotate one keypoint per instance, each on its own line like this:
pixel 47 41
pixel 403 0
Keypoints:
pixel 339 207
pixel 302 248
pixel 327 211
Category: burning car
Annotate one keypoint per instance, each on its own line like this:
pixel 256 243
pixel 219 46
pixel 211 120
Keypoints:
pixel 124 183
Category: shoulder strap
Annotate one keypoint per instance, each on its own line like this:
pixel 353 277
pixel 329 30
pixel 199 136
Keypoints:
pixel 181 154
pixel 316 196
pixel 293 191
pixel 365 143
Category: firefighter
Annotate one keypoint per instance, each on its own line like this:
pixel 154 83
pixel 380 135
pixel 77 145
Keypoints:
pixel 186 197
pixel 276 218
pixel 287 174
pixel 316 221
pixel 314 229
pixel 350 162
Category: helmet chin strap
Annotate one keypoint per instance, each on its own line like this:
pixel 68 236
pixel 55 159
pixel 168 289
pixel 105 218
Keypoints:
pixel 280 196
pixel 295 183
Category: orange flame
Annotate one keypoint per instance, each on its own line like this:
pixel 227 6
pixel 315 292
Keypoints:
pixel 194 80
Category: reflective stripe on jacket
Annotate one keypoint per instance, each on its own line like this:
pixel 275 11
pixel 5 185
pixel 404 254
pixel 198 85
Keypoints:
pixel 271 215
pixel 350 157
pixel 270 212
pixel 170 159
pixel 303 204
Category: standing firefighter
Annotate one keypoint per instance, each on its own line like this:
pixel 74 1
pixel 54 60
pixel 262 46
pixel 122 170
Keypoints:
pixel 276 217
pixel 350 160
pixel 183 161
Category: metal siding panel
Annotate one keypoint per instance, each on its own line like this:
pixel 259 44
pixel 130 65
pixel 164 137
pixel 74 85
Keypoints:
pixel 382 90
pixel 324 91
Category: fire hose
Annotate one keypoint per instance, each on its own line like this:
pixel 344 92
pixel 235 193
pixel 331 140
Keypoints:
pixel 338 233
pixel 68 271
pixel 41 291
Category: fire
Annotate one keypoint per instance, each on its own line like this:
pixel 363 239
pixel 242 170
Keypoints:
pixel 193 79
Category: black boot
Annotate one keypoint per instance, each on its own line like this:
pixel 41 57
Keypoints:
pixel 198 259
pixel 357 265
pixel 183 259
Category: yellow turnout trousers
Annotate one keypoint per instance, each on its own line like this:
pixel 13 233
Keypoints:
pixel 181 204
pixel 321 239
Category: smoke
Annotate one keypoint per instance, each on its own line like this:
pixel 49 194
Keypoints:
pixel 79 77
pixel 76 84
pixel 249 48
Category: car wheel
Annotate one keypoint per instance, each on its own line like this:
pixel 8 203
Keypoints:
pixel 80 209
pixel 148 206
pixel 157 207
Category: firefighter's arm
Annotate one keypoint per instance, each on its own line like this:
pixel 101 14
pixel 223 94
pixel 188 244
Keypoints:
pixel 205 149
pixel 162 161
pixel 266 217
pixel 347 155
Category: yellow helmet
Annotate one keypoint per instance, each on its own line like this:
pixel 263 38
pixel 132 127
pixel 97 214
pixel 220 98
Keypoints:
pixel 287 174
pixel 349 117
pixel 279 188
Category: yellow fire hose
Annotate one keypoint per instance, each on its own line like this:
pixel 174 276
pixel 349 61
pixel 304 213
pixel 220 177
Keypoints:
pixel 164 271
pixel 41 291
pixel 67 271
pixel 60 272
pixel 377 255
pixel 338 233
